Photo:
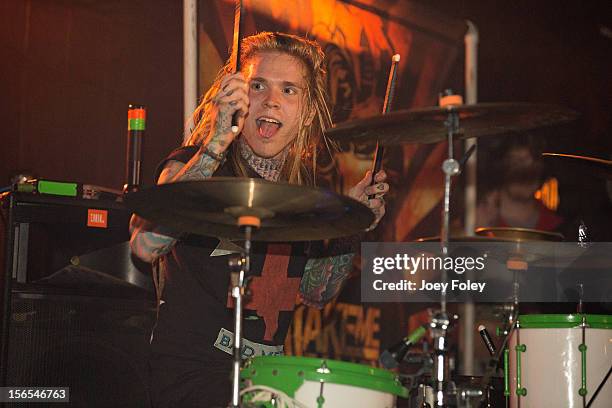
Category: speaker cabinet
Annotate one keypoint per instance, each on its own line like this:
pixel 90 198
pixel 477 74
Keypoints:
pixel 96 346
pixel 75 310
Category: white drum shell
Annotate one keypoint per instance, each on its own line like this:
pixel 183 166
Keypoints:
pixel 340 395
pixel 551 367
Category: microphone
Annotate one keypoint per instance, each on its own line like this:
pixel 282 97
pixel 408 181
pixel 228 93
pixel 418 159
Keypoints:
pixel 394 355
pixel 484 335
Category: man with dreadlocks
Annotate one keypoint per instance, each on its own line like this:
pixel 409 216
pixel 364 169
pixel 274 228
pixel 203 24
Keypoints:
pixel 281 99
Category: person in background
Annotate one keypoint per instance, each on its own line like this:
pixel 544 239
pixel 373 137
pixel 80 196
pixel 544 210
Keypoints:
pixel 511 201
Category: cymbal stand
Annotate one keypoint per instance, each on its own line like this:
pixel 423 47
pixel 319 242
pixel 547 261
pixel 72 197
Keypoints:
pixel 440 321
pixel 240 267
pixel 450 167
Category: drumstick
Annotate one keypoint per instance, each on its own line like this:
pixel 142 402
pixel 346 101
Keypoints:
pixel 236 53
pixel 378 155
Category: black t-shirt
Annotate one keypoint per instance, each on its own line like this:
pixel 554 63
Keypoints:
pixel 196 315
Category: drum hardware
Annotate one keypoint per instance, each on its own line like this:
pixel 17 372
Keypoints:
pixel 580 297
pixel 466 396
pixel 425 396
pixel 440 321
pixel 395 354
pixel 426 363
pixel 500 356
pixel 583 237
pixel 461 392
pixel 486 338
pixel 239 269
pixel 583 348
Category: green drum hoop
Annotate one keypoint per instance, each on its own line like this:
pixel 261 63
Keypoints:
pixel 564 321
pixel 287 374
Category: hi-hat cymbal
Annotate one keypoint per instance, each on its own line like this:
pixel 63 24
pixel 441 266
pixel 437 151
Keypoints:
pixel 521 243
pixel 427 125
pixel 462 238
pixel 501 234
pixel 599 167
pixel 518 234
pixel 288 212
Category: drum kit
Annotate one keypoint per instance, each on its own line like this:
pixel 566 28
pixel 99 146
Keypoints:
pixel 553 360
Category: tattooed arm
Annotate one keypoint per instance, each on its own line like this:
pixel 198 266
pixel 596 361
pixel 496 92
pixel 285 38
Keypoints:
pixel 324 275
pixel 326 272
pixel 232 97
pixel 323 278
pixel 150 241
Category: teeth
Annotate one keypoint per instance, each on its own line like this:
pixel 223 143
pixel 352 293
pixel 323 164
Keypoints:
pixel 270 120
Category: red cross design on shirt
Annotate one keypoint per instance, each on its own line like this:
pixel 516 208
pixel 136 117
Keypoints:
pixel 273 291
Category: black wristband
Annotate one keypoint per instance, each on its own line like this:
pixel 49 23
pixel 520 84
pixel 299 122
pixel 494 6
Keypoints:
pixel 215 156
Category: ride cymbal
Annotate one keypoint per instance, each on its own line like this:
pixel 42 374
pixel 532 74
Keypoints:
pixel 427 125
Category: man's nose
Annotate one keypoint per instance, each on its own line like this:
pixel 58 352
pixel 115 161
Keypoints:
pixel 272 99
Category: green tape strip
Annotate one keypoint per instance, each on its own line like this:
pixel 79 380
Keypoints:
pixel 583 389
pixel 507 372
pixel 57 188
pixel 520 390
pixel 136 124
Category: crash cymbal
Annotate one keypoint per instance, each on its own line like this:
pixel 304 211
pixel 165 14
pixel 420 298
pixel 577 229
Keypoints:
pixel 518 234
pixel 288 212
pixel 599 167
pixel 427 125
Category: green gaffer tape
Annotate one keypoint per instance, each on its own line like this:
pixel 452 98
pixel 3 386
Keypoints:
pixel 136 124
pixel 57 188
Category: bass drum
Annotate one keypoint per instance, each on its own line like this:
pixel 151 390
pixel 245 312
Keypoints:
pixel 271 381
pixel 551 365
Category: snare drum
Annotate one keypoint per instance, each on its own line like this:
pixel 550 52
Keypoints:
pixel 319 383
pixel 556 360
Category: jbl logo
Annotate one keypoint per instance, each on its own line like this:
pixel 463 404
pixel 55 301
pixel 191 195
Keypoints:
pixel 97 218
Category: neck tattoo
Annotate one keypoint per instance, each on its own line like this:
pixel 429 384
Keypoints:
pixel 267 167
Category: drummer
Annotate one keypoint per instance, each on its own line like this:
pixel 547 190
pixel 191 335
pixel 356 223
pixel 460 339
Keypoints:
pixel 281 101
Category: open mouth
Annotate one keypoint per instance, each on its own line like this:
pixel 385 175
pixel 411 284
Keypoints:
pixel 267 126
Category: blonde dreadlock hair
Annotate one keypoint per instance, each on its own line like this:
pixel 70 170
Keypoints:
pixel 300 165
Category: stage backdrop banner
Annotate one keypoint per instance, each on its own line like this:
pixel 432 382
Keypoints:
pixel 359 39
